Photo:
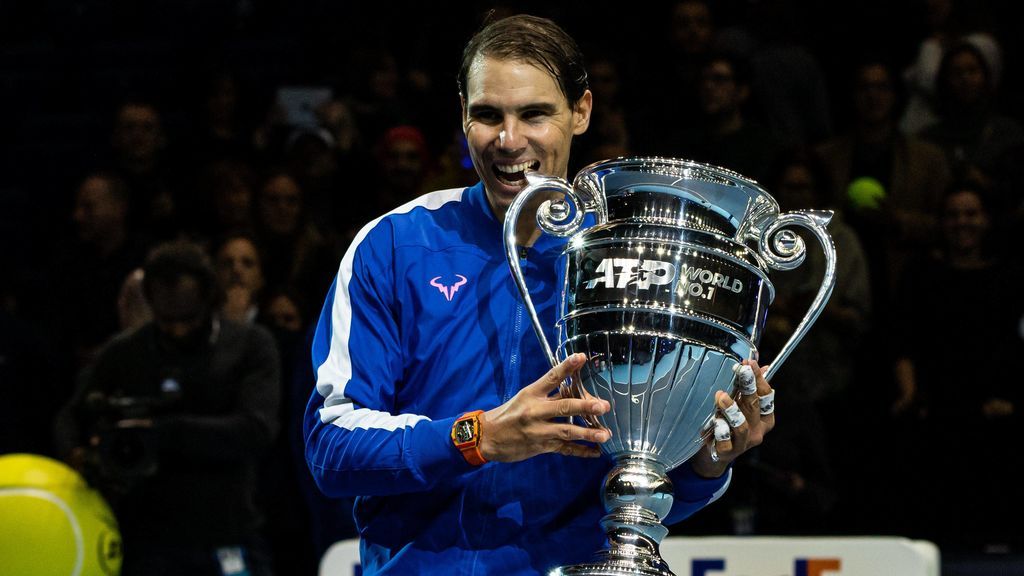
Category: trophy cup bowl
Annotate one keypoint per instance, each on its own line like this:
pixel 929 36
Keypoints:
pixel 665 289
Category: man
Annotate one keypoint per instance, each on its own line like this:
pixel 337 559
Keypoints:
pixel 424 327
pixel 170 422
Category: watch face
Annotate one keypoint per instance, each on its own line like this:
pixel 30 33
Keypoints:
pixel 464 431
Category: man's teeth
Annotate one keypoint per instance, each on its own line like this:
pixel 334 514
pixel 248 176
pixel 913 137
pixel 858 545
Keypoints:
pixel 512 169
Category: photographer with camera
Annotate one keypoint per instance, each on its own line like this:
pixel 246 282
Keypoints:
pixel 170 422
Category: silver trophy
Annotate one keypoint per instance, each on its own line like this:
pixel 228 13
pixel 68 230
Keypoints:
pixel 666 290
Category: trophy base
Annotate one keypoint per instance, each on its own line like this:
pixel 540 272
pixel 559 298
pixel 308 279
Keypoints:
pixel 610 564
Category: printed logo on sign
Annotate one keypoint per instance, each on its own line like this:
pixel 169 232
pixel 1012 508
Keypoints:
pixel 801 567
pixel 816 566
pixel 448 290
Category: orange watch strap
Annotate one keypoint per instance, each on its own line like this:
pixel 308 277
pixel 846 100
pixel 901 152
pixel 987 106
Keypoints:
pixel 471 450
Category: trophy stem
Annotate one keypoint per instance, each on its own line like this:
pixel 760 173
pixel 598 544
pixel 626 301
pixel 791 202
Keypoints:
pixel 637 495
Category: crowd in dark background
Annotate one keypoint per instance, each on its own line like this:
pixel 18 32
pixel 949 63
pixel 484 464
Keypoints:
pixel 270 132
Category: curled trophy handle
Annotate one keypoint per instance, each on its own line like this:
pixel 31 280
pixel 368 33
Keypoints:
pixel 785 250
pixel 557 217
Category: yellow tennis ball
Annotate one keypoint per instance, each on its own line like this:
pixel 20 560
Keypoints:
pixel 865 193
pixel 52 523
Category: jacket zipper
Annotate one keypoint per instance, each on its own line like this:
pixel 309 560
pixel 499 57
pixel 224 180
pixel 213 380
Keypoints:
pixel 512 377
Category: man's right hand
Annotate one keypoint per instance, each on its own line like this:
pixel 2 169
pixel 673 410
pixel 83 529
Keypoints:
pixel 535 422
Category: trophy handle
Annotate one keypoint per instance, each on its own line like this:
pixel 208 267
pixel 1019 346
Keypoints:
pixel 560 218
pixel 785 250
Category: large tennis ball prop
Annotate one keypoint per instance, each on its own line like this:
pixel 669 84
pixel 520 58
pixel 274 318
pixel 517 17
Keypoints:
pixel 865 193
pixel 52 523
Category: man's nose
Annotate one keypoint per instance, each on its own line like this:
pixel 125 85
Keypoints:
pixel 509 137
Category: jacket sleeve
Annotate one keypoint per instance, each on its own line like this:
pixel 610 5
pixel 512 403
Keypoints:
pixel 693 492
pixel 357 443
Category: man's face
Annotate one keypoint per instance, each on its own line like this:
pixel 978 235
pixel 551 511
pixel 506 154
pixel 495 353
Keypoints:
pixel 97 210
pixel 138 132
pixel 238 264
pixel 179 310
pixel 874 96
pixel 281 205
pixel 516 119
pixel 720 95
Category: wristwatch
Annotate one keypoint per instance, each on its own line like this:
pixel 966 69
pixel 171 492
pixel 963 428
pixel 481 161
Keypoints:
pixel 466 437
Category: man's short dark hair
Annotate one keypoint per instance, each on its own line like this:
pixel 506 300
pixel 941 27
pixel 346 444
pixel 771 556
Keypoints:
pixel 168 263
pixel 534 40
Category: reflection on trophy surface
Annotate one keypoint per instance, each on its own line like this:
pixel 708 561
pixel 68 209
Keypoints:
pixel 666 291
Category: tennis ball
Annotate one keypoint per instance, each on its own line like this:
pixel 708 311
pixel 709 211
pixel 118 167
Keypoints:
pixel 52 523
pixel 865 193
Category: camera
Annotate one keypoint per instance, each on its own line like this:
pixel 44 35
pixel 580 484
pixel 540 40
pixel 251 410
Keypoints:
pixel 124 450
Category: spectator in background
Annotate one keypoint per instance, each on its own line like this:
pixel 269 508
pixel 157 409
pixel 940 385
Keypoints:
pixel 724 134
pixel 239 277
pixel 792 99
pixel 690 36
pixel 608 136
pixel 403 164
pixel 903 177
pixel 222 133
pixel 959 331
pixel 797 484
pixel 192 397
pixel 140 157
pixel 310 159
pixel 297 255
pixel 94 263
pixel 948 22
pixel 971 132
pixel 226 202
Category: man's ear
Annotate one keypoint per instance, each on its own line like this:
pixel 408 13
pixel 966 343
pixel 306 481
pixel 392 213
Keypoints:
pixel 462 106
pixel 581 113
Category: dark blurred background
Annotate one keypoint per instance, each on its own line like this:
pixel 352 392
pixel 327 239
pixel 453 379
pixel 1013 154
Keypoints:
pixel 125 124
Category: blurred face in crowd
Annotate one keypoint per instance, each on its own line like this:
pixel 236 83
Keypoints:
pixel 402 162
pixel 797 190
pixel 138 133
pixel 238 264
pixel 179 310
pixel 968 82
pixel 233 202
pixel 284 314
pixel 516 119
pixel 604 80
pixel 98 211
pixel 281 205
pixel 964 221
pixel 720 94
pixel 692 28
pixel 874 97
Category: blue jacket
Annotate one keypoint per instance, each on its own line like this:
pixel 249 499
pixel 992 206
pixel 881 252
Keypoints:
pixel 424 323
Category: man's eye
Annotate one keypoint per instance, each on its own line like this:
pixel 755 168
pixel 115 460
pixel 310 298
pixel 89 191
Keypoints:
pixel 534 114
pixel 487 116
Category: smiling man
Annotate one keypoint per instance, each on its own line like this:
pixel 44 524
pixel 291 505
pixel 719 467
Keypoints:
pixel 434 404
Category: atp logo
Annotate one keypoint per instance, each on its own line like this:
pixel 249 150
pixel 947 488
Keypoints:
pixel 801 567
pixel 449 291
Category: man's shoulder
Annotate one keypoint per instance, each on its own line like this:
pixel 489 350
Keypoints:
pixel 421 220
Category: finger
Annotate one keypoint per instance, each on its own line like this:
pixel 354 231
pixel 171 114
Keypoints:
pixel 578 450
pixel 566 407
pixel 745 380
pixel 730 410
pixel 762 385
pixel 554 377
pixel 722 441
pixel 573 433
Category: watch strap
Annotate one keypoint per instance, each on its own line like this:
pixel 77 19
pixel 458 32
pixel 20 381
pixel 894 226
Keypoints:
pixel 470 450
